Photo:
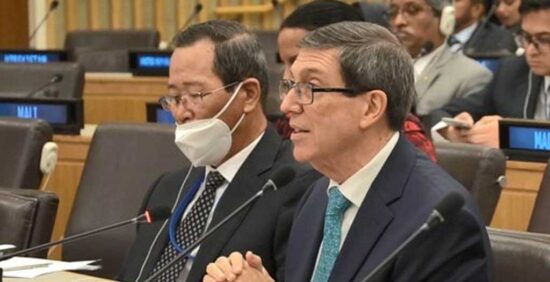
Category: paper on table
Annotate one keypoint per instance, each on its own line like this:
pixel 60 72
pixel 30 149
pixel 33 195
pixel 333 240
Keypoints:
pixel 4 247
pixel 37 267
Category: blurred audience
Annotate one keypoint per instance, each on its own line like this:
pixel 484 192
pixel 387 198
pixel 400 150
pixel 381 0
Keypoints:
pixel 475 34
pixel 441 75
pixel 520 88
pixel 507 13
pixel 318 14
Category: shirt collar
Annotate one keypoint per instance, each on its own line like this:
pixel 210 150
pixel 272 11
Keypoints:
pixel 547 84
pixel 356 187
pixel 464 35
pixel 230 167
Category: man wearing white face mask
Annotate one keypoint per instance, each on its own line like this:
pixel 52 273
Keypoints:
pixel 218 77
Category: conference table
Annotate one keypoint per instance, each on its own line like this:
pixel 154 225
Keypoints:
pixel 122 98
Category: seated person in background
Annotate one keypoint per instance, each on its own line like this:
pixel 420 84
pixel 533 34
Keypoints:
pixel 377 188
pixel 218 74
pixel 317 14
pixel 441 75
pixel 507 13
pixel 474 34
pixel 519 89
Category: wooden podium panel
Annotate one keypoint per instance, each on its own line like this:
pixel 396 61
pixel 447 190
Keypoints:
pixel 517 199
pixel 64 181
pixel 120 98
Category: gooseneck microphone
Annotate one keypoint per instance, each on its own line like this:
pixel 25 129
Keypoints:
pixel 196 11
pixel 280 178
pixel 53 5
pixel 56 78
pixel 446 208
pixel 150 216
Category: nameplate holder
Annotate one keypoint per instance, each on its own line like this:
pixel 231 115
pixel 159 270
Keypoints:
pixel 66 116
pixel 525 140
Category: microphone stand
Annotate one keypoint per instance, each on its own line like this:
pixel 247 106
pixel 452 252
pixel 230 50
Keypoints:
pixel 72 238
pixel 210 231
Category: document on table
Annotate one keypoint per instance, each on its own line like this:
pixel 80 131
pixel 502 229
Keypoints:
pixel 23 267
pixel 5 247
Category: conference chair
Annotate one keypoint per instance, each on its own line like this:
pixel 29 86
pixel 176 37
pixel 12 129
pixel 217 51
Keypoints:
pixel 107 50
pixel 123 162
pixel 21 142
pixel 520 256
pixel 27 217
pixel 478 168
pixel 53 80
pixel 540 221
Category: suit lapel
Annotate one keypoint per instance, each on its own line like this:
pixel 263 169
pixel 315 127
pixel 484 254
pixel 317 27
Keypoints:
pixel 248 180
pixel 307 234
pixel 534 94
pixel 431 73
pixel 374 215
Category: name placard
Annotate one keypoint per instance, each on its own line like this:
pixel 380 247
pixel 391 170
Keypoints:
pixel 156 114
pixel 150 63
pixel 27 56
pixel 525 139
pixel 65 115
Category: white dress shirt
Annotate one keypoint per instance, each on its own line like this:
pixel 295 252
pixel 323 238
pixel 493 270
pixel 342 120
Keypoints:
pixel 542 110
pixel 463 36
pixel 356 187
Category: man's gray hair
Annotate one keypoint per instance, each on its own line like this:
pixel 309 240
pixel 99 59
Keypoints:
pixel 371 57
pixel 237 52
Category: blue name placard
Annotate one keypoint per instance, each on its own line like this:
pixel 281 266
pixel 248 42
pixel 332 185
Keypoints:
pixel 529 138
pixel 154 61
pixel 164 117
pixel 150 62
pixel 32 56
pixel 50 113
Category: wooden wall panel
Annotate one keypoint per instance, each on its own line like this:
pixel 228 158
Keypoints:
pixel 167 16
pixel 14 24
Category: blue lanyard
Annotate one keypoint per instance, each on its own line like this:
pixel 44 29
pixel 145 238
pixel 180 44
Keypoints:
pixel 176 216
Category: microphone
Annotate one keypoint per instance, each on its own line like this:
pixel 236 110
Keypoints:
pixel 280 178
pixel 484 23
pixel 56 78
pixel 445 209
pixel 53 5
pixel 150 216
pixel 196 11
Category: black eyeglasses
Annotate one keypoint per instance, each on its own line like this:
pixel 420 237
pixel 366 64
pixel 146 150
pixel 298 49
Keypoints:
pixel 541 42
pixel 304 91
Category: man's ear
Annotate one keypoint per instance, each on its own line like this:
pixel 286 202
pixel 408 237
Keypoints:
pixel 376 103
pixel 253 90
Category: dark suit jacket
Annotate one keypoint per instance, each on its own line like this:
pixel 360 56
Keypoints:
pixel 263 228
pixel 513 93
pixel 490 39
pixel 402 196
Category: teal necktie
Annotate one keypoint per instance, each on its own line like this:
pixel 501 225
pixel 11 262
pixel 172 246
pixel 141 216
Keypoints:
pixel 337 205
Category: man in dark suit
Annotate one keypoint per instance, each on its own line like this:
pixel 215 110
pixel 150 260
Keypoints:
pixel 475 34
pixel 217 79
pixel 520 87
pixel 377 189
